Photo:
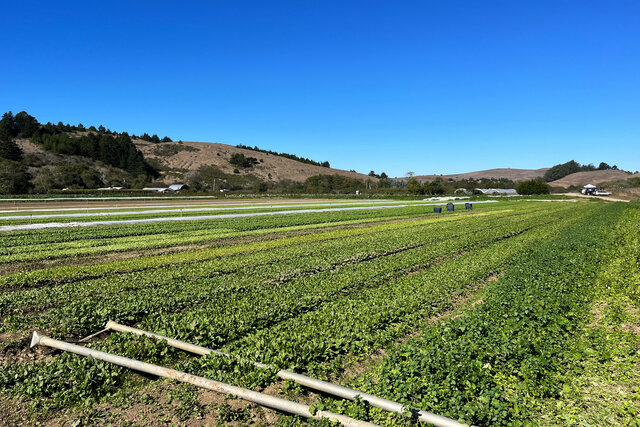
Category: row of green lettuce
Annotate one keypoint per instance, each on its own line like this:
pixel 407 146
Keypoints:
pixel 209 233
pixel 210 272
pixel 315 313
pixel 504 360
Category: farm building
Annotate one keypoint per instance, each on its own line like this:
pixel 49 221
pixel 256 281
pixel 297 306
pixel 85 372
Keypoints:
pixel 496 191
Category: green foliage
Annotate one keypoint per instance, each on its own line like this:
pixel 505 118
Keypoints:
pixel 226 414
pixel 604 166
pixel 564 169
pixel 328 184
pixel 27 125
pixel 239 160
pixel 14 178
pixel 601 385
pixel 188 406
pixel 533 186
pixel 316 291
pixel 72 175
pixel 493 365
pixel 8 127
pixel 414 187
pixel 9 149
pixel 230 369
pixel 154 138
pixel 100 144
pixel 8 131
pixel 118 151
pixel 435 187
pixel 68 379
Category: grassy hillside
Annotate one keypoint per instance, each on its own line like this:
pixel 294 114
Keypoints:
pixel 45 158
pixel 580 179
pixel 175 159
pixel 496 174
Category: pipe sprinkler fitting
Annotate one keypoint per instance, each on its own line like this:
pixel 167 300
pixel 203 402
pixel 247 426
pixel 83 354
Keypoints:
pixel 35 340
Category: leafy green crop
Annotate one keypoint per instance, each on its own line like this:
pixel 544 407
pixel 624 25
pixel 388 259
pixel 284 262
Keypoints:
pixel 317 292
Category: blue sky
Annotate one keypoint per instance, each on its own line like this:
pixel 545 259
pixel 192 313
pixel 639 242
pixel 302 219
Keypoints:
pixel 423 86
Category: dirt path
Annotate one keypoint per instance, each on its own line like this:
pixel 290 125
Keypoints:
pixel 607 198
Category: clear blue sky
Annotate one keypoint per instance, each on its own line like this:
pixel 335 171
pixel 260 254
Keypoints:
pixel 394 86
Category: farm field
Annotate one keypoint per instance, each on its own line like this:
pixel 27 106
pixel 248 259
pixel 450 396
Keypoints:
pixel 26 219
pixel 512 313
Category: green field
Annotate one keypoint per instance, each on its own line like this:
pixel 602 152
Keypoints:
pixel 514 313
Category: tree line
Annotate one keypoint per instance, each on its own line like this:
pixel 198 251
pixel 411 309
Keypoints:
pixel 111 148
pixel 124 164
pixel 561 170
pixel 324 164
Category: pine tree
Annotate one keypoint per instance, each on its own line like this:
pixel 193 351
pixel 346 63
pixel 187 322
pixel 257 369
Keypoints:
pixel 9 149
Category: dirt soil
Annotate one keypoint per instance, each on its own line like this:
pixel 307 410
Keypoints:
pixel 608 198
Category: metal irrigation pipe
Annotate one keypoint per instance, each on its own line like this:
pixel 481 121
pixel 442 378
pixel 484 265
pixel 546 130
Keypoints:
pixel 249 395
pixel 312 383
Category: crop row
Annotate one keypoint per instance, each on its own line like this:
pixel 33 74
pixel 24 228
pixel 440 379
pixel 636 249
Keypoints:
pixel 41 251
pixel 600 378
pixel 221 215
pixel 160 213
pixel 235 316
pixel 493 364
pixel 209 237
pixel 362 322
pixel 277 265
pixel 312 303
pixel 15 239
pixel 74 273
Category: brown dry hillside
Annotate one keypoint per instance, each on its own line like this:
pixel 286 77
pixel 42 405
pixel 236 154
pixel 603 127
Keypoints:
pixel 507 173
pixel 592 177
pixel 181 157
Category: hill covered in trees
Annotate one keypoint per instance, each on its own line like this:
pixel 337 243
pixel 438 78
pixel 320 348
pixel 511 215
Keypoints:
pixel 66 156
